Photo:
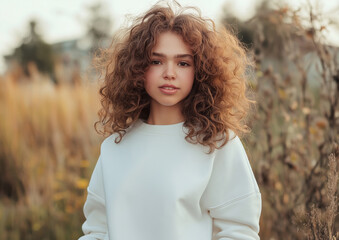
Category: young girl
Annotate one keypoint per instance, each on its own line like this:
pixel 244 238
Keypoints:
pixel 173 167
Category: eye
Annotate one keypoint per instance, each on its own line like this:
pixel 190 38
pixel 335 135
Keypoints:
pixel 155 62
pixel 184 64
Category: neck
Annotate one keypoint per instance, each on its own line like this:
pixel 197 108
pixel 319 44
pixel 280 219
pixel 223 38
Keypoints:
pixel 163 115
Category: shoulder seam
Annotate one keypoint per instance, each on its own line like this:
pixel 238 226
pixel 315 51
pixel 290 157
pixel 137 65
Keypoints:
pixel 227 203
pixel 100 199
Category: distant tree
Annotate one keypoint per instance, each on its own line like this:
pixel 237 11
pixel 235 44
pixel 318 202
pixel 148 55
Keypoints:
pixel 240 28
pixel 99 26
pixel 34 49
pixel 261 30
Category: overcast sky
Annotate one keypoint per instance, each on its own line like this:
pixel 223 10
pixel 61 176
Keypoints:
pixel 65 19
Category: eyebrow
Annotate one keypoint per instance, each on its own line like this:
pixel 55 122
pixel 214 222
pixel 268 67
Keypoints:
pixel 175 56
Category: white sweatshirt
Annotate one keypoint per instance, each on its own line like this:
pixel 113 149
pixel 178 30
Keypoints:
pixel 154 185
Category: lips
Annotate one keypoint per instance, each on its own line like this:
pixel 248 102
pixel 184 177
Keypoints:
pixel 168 89
pixel 168 86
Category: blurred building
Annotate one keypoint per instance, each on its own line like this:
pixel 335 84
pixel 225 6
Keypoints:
pixel 305 56
pixel 72 60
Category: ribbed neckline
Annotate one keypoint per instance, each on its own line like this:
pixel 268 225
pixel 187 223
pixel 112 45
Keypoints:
pixel 160 129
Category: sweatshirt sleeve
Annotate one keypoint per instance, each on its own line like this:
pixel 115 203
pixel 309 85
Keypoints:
pixel 232 196
pixel 95 226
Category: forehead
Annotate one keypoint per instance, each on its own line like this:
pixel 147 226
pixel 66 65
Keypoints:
pixel 170 43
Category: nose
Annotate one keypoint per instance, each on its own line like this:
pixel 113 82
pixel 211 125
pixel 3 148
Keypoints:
pixel 169 72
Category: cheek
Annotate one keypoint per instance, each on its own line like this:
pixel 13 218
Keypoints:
pixel 149 80
pixel 190 77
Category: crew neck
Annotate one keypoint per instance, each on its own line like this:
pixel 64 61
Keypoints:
pixel 161 129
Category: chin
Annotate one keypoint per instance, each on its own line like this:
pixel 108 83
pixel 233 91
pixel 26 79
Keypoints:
pixel 168 103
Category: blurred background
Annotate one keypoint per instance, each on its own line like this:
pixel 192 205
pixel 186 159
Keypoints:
pixel 49 100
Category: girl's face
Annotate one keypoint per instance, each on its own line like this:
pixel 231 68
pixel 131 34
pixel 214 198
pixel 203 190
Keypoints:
pixel 170 76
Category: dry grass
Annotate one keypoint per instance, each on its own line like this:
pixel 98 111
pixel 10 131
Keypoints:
pixel 47 152
pixel 296 127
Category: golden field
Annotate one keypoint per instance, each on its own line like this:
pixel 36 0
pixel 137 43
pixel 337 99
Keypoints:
pixel 47 152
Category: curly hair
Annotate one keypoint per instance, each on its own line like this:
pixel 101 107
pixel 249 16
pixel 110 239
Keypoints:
pixel 217 102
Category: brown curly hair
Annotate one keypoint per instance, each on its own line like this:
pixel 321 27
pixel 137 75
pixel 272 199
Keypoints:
pixel 217 102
